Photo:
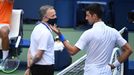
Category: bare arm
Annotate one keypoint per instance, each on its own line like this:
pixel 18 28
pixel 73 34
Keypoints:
pixel 37 57
pixel 126 52
pixel 29 58
pixel 71 49
pixel 31 61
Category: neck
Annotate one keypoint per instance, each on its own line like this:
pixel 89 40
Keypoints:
pixel 44 21
pixel 97 20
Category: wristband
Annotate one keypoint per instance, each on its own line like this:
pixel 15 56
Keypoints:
pixel 61 37
pixel 116 63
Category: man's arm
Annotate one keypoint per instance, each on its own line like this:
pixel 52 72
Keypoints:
pixel 27 72
pixel 31 61
pixel 37 57
pixel 126 52
pixel 71 49
pixel 29 58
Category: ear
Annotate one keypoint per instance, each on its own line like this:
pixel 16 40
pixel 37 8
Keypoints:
pixel 45 17
pixel 95 16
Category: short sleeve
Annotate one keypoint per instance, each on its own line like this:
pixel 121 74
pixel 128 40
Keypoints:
pixel 43 40
pixel 83 41
pixel 120 41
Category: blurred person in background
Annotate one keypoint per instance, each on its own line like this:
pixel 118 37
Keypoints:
pixel 6 7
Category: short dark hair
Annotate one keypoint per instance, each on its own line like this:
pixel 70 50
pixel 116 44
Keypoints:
pixel 95 8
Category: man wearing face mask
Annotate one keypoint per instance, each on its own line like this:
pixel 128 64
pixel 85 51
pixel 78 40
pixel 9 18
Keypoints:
pixel 40 57
pixel 52 21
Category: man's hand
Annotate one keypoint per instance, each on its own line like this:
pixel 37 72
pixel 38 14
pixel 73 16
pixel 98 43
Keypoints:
pixel 55 29
pixel 112 66
pixel 27 72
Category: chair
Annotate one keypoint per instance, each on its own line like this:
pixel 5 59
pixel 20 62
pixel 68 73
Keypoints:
pixel 16 30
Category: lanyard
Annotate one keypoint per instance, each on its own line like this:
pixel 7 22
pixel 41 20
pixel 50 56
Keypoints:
pixel 45 25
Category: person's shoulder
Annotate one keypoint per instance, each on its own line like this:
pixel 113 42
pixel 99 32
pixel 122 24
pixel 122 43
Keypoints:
pixel 113 29
pixel 89 31
pixel 40 26
pixel 37 27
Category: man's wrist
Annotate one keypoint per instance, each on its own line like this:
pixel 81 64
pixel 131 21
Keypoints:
pixel 116 63
pixel 112 66
pixel 61 37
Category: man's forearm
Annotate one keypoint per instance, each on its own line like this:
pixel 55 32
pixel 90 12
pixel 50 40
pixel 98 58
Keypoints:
pixel 36 58
pixel 126 52
pixel 71 49
pixel 29 58
pixel 124 56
